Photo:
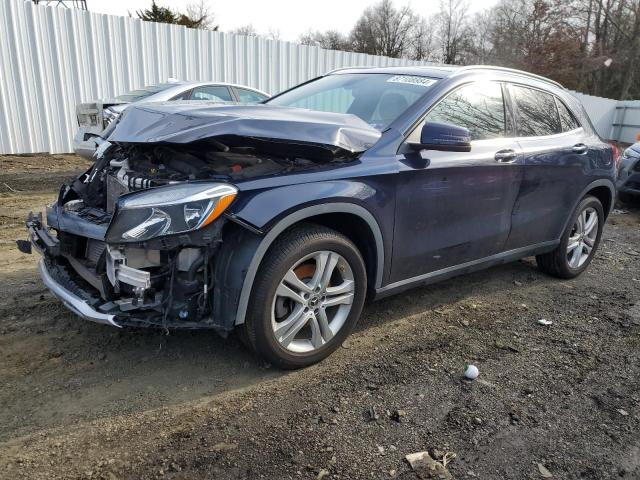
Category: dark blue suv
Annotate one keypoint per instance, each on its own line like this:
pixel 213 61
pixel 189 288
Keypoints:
pixel 279 220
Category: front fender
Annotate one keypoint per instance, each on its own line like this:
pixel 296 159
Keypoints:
pixel 263 209
pixel 272 211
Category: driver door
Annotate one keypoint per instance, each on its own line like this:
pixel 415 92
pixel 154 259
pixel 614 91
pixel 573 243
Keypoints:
pixel 455 207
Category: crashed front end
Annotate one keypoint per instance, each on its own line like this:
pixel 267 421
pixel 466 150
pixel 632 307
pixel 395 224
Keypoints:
pixel 134 240
pixel 146 263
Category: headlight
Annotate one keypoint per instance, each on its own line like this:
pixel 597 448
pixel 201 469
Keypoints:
pixel 108 116
pixel 168 210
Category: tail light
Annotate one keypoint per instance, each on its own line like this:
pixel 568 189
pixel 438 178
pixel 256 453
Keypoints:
pixel 616 154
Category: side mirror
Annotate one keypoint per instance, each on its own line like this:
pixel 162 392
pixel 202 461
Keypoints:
pixel 444 137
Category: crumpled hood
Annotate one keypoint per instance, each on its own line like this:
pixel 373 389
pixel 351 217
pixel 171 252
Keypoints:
pixel 184 122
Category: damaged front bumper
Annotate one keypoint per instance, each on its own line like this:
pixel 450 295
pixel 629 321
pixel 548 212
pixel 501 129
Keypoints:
pixel 76 304
pixel 116 293
pixel 56 279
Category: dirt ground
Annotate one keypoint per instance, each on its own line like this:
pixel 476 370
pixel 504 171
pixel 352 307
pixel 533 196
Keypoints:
pixel 81 400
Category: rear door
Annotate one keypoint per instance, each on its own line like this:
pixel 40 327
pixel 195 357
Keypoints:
pixel 556 151
pixel 455 207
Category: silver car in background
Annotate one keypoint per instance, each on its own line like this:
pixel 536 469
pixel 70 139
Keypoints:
pixel 629 174
pixel 94 117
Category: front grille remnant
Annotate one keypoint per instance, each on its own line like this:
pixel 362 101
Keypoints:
pixel 95 249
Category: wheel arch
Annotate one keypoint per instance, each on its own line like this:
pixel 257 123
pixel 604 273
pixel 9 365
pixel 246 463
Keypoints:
pixel 603 189
pixel 333 215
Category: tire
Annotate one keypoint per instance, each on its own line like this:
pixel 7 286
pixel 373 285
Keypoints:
pixel 332 306
pixel 564 264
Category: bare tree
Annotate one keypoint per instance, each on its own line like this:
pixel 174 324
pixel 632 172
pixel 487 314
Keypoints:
pixel 384 30
pixel 423 45
pixel 272 34
pixel 331 40
pixel 202 13
pixel 451 20
pixel 248 30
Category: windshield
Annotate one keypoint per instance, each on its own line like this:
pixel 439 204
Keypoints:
pixel 377 98
pixel 135 95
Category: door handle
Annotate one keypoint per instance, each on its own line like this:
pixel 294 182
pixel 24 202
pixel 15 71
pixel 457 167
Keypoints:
pixel 506 156
pixel 580 148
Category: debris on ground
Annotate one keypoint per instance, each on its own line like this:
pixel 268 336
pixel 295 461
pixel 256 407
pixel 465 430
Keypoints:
pixel 545 322
pixel 426 467
pixel 322 474
pixel 544 471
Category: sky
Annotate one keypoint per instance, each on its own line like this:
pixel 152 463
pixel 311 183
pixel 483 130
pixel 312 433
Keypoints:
pixel 289 17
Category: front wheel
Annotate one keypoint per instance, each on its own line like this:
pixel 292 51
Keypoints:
pixel 579 242
pixel 307 296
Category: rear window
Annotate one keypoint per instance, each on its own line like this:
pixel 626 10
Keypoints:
pixel 135 95
pixel 537 112
pixel 567 120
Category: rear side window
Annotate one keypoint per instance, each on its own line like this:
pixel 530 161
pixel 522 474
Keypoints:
pixel 249 96
pixel 183 96
pixel 478 107
pixel 211 92
pixel 537 112
pixel 567 120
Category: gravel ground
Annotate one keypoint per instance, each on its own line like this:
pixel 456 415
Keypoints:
pixel 80 400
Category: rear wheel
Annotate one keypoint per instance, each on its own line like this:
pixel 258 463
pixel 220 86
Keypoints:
pixel 578 243
pixel 307 296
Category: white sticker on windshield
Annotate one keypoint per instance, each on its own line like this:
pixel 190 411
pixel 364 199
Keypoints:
pixel 413 80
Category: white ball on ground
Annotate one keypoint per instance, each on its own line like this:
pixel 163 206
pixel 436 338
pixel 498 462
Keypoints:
pixel 471 372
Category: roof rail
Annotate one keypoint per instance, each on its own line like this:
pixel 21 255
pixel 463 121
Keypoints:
pixel 428 65
pixel 349 68
pixel 506 70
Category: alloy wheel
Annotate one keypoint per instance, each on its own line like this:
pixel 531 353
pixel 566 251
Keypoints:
pixel 312 301
pixel 583 237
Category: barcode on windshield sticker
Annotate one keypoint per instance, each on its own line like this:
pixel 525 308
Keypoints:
pixel 412 79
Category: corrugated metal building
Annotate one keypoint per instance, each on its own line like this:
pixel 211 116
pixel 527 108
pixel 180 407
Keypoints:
pixel 52 58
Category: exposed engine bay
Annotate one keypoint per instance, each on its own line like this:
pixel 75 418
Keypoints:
pixel 136 239
pixel 160 280
pixel 129 169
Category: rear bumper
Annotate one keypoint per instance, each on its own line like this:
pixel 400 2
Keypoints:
pixel 74 303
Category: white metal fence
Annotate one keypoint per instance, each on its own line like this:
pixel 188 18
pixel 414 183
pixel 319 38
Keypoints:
pixel 53 58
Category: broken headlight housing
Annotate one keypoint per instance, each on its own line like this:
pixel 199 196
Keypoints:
pixel 168 210
pixel 108 116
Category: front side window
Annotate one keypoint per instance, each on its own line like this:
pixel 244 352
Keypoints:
pixel 213 93
pixel 537 112
pixel 478 107
pixel 377 98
